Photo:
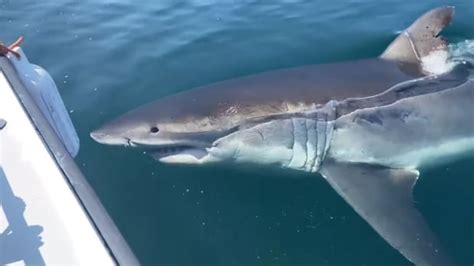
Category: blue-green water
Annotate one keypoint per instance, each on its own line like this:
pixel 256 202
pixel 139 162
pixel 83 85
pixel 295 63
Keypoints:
pixel 110 56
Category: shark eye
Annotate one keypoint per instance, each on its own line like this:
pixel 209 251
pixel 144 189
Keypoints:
pixel 154 130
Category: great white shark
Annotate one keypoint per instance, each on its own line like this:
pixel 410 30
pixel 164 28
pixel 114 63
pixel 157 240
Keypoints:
pixel 366 126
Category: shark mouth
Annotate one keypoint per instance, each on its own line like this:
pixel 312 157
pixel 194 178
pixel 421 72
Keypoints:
pixel 180 153
pixel 194 149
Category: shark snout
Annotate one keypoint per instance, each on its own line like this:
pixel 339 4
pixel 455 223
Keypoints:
pixel 97 136
pixel 106 138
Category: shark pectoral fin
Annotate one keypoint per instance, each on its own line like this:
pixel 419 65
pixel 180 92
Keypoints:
pixel 421 38
pixel 383 197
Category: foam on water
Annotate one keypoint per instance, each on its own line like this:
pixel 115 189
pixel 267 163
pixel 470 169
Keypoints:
pixel 437 62
pixel 440 61
pixel 462 52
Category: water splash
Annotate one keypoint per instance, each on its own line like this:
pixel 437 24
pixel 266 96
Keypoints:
pixel 437 62
pixel 441 61
pixel 462 52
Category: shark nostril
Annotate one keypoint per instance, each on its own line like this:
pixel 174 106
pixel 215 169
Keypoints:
pixel 154 130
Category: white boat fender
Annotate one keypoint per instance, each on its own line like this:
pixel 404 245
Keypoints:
pixel 43 90
pixel 3 123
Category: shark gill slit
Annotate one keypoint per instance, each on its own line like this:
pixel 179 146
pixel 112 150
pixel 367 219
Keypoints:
pixel 321 129
pixel 299 135
pixel 311 141
pixel 312 135
pixel 304 143
pixel 293 146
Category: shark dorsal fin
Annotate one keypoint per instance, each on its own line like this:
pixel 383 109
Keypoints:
pixel 421 38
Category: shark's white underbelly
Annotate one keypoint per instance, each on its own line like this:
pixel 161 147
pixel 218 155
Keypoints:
pixel 410 158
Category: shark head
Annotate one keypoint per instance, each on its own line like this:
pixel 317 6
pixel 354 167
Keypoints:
pixel 194 128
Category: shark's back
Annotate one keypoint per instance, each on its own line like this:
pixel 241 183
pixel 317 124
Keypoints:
pixel 286 90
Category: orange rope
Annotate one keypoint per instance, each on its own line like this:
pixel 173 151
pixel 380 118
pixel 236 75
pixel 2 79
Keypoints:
pixel 4 50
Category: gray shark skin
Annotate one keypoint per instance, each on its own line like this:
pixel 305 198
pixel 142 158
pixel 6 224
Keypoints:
pixel 366 126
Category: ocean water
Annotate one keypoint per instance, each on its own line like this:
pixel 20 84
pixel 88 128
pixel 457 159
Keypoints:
pixel 110 56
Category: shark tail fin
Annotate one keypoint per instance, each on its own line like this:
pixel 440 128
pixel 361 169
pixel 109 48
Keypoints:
pixel 421 38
